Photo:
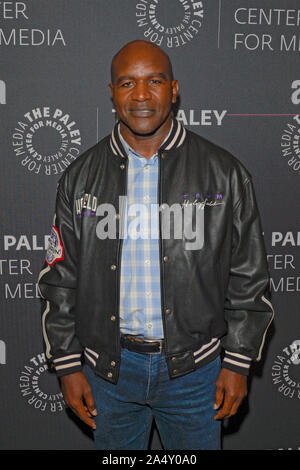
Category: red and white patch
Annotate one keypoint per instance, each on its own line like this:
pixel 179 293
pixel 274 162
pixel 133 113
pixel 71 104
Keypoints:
pixel 55 251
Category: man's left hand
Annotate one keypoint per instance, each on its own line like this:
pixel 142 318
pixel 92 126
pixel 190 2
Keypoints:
pixel 231 389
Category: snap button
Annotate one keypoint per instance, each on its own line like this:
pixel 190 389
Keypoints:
pixel 113 363
pixel 109 374
pixel 166 258
pixel 174 359
pixel 163 155
pixel 113 267
pixel 117 216
pixel 122 166
pixel 175 371
pixel 168 311
pixel 113 318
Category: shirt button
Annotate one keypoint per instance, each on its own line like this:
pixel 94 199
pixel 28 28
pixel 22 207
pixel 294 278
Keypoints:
pixel 110 374
pixel 168 311
pixel 148 293
pixel 113 363
pixel 113 267
pixel 147 261
pixel 166 258
pixel 146 198
pixel 146 167
pixel 113 318
pixel 149 326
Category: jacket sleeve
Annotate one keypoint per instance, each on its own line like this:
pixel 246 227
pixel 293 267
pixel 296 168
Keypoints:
pixel 248 310
pixel 57 286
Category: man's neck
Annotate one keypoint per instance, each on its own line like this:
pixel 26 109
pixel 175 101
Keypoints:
pixel 146 145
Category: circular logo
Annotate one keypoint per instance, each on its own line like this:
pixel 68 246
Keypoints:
pixel 290 148
pixel 286 371
pixel 46 140
pixel 39 387
pixel 171 23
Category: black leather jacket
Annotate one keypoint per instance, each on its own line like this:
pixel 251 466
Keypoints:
pixel 213 296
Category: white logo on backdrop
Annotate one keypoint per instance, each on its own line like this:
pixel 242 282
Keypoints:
pixel 286 371
pixel 2 352
pixel 285 265
pixel 255 33
pixel 46 140
pixel 23 36
pixel 170 23
pixel 39 387
pixel 290 148
pixel 2 92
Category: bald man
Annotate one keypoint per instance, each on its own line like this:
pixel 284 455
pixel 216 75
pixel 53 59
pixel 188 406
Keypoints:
pixel 148 306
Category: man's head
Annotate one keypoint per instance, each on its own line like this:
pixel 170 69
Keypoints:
pixel 143 88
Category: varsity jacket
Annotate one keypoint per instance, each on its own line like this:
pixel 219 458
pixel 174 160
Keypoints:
pixel 214 280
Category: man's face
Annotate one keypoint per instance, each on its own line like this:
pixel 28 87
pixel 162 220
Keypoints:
pixel 142 89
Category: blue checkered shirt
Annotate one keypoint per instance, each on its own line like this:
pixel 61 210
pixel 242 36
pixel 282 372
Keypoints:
pixel 140 290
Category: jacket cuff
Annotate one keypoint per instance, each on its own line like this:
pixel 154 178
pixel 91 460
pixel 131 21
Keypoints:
pixel 67 364
pixel 236 362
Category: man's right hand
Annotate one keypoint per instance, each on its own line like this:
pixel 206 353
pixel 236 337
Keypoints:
pixel 75 388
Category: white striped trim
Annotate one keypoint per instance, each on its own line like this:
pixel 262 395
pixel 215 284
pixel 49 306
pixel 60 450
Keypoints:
pixel 264 336
pixel 90 358
pixel 112 147
pixel 92 352
pixel 47 343
pixel 65 358
pixel 238 355
pixel 236 363
pixel 175 137
pixel 66 366
pixel 115 143
pixel 205 346
pixel 183 137
pixel 208 352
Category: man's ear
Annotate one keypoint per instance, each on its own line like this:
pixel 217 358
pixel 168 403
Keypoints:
pixel 175 89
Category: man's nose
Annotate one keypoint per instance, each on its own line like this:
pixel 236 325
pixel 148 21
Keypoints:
pixel 141 92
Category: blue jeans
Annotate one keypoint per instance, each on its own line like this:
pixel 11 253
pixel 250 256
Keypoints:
pixel 182 407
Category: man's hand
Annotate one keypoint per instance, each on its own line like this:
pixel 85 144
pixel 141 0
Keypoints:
pixel 231 390
pixel 75 388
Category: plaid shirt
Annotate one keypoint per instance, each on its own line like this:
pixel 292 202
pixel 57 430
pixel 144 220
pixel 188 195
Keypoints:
pixel 140 292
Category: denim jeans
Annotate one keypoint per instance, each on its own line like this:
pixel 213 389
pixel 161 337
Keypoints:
pixel 182 408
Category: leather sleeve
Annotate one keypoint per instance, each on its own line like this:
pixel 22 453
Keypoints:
pixel 248 310
pixel 57 286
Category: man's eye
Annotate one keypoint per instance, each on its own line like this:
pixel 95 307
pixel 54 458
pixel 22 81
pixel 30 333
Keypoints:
pixel 126 84
pixel 155 81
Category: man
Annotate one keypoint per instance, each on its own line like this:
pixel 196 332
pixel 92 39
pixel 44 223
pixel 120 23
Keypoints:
pixel 150 313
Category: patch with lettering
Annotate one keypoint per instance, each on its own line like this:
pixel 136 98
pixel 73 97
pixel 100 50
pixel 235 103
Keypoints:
pixel 195 199
pixel 87 204
pixel 55 251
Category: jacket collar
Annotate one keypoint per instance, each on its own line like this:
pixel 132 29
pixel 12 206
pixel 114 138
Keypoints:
pixel 174 140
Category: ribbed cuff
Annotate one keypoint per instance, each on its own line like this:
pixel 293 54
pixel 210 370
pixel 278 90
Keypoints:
pixel 67 364
pixel 237 363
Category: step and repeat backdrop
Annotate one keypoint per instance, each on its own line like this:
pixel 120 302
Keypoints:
pixel 237 62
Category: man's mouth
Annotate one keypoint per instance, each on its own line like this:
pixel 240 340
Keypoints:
pixel 141 112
